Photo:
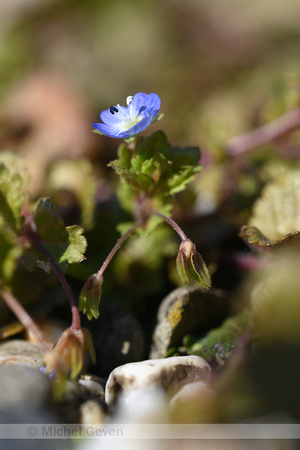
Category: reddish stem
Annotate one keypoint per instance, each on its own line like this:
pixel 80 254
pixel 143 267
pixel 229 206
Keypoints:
pixel 173 224
pixel 25 319
pixel 32 235
pixel 116 247
pixel 267 133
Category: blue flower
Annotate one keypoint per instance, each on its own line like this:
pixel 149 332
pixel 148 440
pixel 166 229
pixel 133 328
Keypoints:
pixel 121 122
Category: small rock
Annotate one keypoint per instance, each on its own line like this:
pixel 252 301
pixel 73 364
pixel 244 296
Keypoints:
pixel 20 352
pixel 24 387
pixel 181 312
pixel 170 374
pixel 118 339
pixel 93 384
pixel 149 404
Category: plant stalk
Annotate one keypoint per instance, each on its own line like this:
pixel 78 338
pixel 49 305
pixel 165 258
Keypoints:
pixel 116 247
pixel 173 224
pixel 25 319
pixel 268 133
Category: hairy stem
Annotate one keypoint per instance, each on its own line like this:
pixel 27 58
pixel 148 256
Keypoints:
pixel 116 247
pixel 267 133
pixel 25 319
pixel 173 224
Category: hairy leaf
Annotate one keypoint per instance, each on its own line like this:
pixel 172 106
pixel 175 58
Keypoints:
pixel 137 180
pixel 156 168
pixel 65 244
pixel 258 241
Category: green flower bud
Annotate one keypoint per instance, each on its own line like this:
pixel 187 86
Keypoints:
pixel 191 265
pixel 90 296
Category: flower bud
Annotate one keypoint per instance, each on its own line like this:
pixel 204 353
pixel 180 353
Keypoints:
pixel 90 296
pixel 191 265
pixel 66 359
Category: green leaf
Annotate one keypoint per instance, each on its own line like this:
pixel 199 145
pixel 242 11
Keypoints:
pixel 124 156
pixel 9 254
pixel 65 244
pixel 258 241
pixel 155 168
pixel 137 180
pixel 12 198
pixel 156 142
pixel 178 181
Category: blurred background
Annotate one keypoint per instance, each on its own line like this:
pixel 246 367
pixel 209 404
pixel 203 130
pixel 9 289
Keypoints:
pixel 213 63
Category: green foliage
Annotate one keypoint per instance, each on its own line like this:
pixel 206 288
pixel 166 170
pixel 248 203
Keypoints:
pixel 155 168
pixel 259 242
pixel 66 245
pixel 12 199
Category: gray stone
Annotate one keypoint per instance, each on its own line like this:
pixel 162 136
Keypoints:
pixel 118 339
pixel 183 311
pixel 20 352
pixel 170 374
pixel 93 385
pixel 24 387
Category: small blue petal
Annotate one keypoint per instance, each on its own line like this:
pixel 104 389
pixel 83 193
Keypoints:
pixel 121 122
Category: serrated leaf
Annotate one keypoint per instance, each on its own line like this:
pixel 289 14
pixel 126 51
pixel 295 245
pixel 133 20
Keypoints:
pixel 136 180
pixel 179 181
pixel 155 168
pixel 12 198
pixel 66 245
pixel 258 241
